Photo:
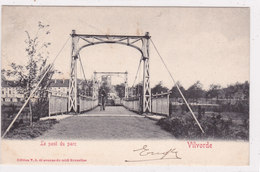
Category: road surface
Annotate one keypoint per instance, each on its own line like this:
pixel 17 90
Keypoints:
pixel 115 122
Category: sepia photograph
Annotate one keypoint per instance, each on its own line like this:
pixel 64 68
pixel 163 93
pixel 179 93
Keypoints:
pixel 72 75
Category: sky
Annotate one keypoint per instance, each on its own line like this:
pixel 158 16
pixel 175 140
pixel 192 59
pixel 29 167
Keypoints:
pixel 206 44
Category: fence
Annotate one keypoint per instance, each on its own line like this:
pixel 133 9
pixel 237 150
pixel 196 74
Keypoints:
pixel 161 103
pixel 133 104
pixel 87 103
pixel 208 101
pixel 58 104
pixel 118 101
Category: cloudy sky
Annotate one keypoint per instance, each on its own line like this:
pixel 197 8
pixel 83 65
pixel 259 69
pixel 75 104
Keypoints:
pixel 206 44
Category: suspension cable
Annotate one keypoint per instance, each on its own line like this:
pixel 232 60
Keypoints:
pixel 137 72
pixel 82 68
pixel 34 90
pixel 177 87
pixel 138 85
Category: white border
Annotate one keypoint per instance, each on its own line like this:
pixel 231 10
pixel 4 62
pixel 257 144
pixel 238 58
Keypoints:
pixel 254 80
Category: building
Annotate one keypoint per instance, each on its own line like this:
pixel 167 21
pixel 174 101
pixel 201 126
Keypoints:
pixel 9 93
pixel 59 87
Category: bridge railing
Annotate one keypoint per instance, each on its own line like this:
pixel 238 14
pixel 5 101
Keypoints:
pixel 87 103
pixel 118 102
pixel 161 103
pixel 133 104
pixel 58 104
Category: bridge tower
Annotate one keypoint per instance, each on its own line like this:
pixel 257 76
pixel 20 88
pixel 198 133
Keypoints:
pixel 73 106
pixel 147 99
pixel 130 41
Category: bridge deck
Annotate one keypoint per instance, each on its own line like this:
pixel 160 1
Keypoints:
pixel 111 111
pixel 115 122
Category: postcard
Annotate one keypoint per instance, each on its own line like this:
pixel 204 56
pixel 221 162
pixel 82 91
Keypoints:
pixel 128 86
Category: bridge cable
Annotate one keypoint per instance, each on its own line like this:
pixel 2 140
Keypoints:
pixel 138 85
pixel 82 69
pixel 35 89
pixel 137 72
pixel 177 87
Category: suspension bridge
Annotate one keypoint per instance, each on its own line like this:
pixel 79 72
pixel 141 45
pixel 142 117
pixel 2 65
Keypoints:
pixel 143 103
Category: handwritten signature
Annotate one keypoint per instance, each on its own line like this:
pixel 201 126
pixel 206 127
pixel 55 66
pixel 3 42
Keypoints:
pixel 153 156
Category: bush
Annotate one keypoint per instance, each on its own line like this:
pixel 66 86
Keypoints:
pixel 30 132
pixel 215 127
pixel 239 106
pixel 40 109
pixel 180 127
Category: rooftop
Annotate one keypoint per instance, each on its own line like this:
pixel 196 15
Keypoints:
pixel 54 83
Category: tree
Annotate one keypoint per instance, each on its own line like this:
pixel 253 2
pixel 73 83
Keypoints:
pixel 195 91
pixel 120 89
pixel 85 87
pixel 239 90
pixel 213 91
pixel 89 88
pixel 246 89
pixel 175 92
pixel 138 89
pixel 158 88
pixel 229 91
pixel 26 77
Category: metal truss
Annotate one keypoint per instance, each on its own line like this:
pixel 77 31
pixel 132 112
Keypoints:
pixel 131 41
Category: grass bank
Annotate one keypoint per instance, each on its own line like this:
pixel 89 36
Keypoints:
pixel 29 132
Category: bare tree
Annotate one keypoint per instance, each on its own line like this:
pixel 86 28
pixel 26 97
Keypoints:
pixel 27 76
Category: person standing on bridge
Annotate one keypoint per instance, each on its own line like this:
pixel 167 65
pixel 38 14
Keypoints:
pixel 103 99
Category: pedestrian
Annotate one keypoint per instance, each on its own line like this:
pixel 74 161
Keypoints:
pixel 103 99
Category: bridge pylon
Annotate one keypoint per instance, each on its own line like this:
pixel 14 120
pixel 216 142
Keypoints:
pixel 147 100
pixel 73 103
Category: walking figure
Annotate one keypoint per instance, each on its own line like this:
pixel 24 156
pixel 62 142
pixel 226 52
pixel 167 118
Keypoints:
pixel 103 96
